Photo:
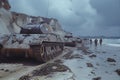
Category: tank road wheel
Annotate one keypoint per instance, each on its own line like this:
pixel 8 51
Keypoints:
pixel 42 53
pixel 47 51
pixel 38 53
pixel 45 55
pixel 51 52
pixel 58 48
pixel 54 51
pixel 62 46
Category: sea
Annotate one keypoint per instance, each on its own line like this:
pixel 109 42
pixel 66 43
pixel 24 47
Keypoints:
pixel 112 42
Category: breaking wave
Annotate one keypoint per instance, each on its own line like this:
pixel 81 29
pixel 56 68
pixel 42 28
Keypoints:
pixel 112 42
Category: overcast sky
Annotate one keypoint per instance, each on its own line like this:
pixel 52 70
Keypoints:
pixel 81 17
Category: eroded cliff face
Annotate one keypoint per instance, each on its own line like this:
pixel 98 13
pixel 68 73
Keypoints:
pixel 5 17
pixel 5 4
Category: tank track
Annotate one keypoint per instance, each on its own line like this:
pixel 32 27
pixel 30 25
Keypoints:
pixel 47 51
pixel 41 52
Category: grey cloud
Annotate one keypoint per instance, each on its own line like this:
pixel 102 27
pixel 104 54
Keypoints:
pixel 109 10
pixel 36 7
pixel 81 17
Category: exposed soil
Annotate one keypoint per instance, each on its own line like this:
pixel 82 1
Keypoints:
pixel 118 71
pixel 70 55
pixel 84 50
pixel 92 56
pixel 58 61
pixel 50 68
pixel 111 60
pixel 89 64
pixel 25 78
pixel 97 78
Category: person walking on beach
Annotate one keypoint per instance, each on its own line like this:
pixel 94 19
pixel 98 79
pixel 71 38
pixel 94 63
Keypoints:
pixel 100 41
pixel 95 41
pixel 90 41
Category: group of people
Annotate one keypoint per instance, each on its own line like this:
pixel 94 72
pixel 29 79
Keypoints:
pixel 96 41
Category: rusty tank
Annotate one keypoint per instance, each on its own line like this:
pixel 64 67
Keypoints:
pixel 27 36
pixel 69 40
pixel 32 42
pixel 38 46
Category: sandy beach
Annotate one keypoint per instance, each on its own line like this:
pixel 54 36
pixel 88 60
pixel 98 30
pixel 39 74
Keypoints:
pixel 82 62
